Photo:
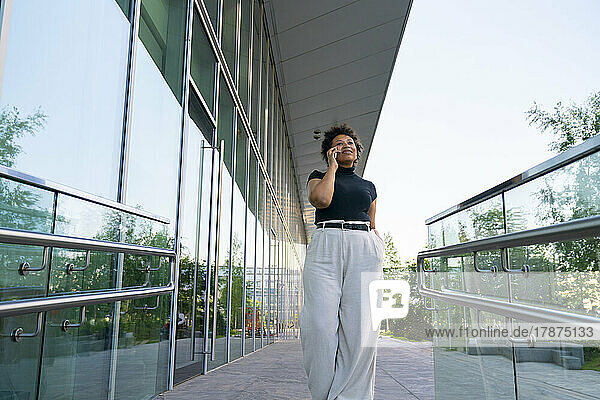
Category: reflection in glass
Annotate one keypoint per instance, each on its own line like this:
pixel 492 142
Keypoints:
pixel 19 362
pixel 238 243
pixel 229 33
pixel 261 238
pixel 194 244
pixel 68 88
pixel 154 142
pixel 467 369
pixel 264 93
pixel 73 271
pixel 143 348
pixel 162 29
pixel 482 220
pixel 212 6
pixel 76 363
pixel 245 40
pixel 203 63
pixel 125 6
pixel 224 133
pixel 565 194
pixel 272 281
pixel 26 208
pixel 251 314
pixel 564 275
pixel 256 52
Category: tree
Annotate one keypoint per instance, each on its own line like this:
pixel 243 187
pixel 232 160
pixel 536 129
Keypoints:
pixel 571 124
pixel 571 192
pixel 20 206
pixel 418 318
pixel 390 258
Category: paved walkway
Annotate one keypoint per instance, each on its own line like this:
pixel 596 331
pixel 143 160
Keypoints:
pixel 404 371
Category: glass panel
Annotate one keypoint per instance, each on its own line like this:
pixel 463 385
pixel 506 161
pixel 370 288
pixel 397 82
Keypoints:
pixel 564 275
pixel 272 131
pixel 278 254
pixel 125 6
pixel 435 235
pixel 261 238
pixel 272 281
pixel 100 273
pixel 162 31
pixel 251 316
pixel 264 93
pixel 276 160
pixel 203 63
pixel 568 193
pixel 156 122
pixel 267 271
pixel 143 348
pixel 194 241
pixel 76 363
pixel 19 362
pixel 213 11
pixel 256 52
pixel 280 167
pixel 62 99
pixel 224 132
pixel 238 243
pixel 470 368
pixel 229 33
pixel 27 208
pixel 479 221
pixel 565 369
pixel 76 217
pixel 245 38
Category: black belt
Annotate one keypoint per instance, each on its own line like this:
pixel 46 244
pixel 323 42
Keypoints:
pixel 344 226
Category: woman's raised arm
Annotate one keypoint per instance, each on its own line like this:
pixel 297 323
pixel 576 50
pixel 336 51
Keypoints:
pixel 320 191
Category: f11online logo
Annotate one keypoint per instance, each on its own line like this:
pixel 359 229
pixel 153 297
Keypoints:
pixel 393 303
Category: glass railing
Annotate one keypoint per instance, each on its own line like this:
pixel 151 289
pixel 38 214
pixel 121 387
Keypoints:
pixel 85 294
pixel 519 266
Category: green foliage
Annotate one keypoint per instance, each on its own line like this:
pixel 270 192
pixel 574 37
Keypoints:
pixel 390 258
pixel 12 128
pixel 571 124
pixel 413 325
pixel 19 206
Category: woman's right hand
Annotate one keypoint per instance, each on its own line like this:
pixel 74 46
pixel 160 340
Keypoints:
pixel 331 158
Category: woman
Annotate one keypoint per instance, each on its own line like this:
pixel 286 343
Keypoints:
pixel 338 343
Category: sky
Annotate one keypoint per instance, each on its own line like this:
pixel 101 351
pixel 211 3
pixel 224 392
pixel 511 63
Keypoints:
pixel 453 123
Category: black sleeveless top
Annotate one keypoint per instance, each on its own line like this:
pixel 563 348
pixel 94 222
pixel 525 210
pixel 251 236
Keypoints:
pixel 352 196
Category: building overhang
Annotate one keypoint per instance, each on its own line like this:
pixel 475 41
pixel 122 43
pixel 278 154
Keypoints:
pixel 334 60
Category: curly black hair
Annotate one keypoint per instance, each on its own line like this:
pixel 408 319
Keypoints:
pixel 335 130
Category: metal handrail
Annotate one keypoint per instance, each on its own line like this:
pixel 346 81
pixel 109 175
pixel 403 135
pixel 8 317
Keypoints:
pixel 19 307
pixel 571 230
pixel 18 176
pixel 519 311
pixel 569 156
pixel 15 236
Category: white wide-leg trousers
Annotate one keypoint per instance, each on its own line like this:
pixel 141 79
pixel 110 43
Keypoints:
pixel 338 343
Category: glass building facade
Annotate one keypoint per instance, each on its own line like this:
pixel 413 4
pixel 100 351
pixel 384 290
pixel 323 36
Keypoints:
pixel 150 221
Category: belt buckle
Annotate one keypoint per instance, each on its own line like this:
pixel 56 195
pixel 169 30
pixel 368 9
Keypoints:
pixel 344 229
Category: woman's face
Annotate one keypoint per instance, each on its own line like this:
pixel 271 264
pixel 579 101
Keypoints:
pixel 345 144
